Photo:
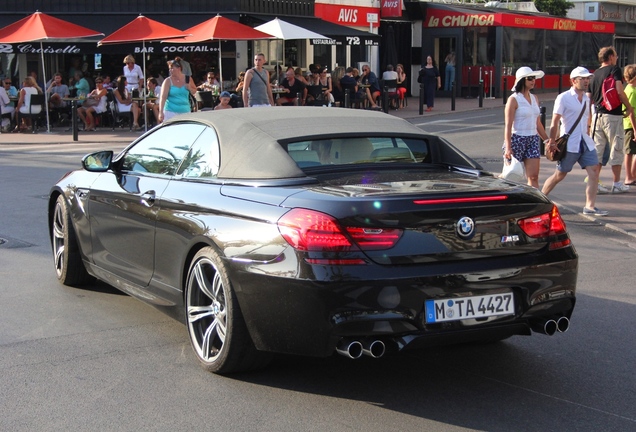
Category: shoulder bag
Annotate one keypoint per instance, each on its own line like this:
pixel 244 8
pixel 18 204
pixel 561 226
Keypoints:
pixel 558 152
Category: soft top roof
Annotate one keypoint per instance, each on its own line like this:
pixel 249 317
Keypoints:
pixel 251 138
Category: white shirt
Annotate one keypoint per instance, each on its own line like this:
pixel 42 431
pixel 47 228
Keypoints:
pixel 526 114
pixel 568 106
pixel 133 76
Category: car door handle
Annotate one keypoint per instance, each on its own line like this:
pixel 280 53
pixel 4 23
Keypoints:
pixel 148 198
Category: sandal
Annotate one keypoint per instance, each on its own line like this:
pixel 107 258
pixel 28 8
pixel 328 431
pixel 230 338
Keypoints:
pixel 136 127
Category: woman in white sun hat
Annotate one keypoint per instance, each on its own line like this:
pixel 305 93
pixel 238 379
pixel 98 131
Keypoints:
pixel 523 128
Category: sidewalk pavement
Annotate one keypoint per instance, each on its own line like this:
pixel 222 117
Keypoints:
pixel 569 195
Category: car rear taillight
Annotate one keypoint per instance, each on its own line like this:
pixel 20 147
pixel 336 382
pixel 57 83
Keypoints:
pixel 309 230
pixel 545 225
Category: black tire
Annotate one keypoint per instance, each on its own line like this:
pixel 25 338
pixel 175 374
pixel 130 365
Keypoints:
pixel 217 330
pixel 69 267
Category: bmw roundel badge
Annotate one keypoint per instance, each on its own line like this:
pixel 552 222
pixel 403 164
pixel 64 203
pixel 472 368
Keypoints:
pixel 465 228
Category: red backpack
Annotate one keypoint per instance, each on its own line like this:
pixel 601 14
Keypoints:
pixel 611 101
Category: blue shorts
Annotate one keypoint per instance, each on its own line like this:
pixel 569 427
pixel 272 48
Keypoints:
pixel 525 147
pixel 585 159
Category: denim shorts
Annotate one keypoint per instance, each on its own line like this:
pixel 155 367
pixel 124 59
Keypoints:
pixel 585 159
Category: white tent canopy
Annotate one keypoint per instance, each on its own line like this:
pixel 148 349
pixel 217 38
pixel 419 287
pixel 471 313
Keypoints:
pixel 287 31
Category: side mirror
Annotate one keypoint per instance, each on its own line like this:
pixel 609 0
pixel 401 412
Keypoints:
pixel 98 162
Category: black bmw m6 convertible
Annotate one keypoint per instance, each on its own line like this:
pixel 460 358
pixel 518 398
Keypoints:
pixel 313 231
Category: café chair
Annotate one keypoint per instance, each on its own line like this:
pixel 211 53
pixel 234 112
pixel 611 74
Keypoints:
pixel 390 94
pixel 204 99
pixel 36 100
pixel 316 95
pixel 118 117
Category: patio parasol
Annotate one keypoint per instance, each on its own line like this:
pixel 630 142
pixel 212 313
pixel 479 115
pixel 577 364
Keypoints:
pixel 286 31
pixel 142 29
pixel 221 28
pixel 40 27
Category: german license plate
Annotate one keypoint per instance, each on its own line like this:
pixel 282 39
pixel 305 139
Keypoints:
pixel 469 307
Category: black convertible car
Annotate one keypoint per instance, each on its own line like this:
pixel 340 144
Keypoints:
pixel 312 231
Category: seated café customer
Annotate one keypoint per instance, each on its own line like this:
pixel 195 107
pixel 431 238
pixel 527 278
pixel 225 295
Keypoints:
pixel 291 88
pixel 95 103
pixel 6 107
pixel 123 99
pixel 372 86
pixel 209 83
pixel 348 82
pixel 241 83
pixel 224 101
pixel 29 88
pixel 81 84
pixel 154 91
pixel 56 91
pixel 327 88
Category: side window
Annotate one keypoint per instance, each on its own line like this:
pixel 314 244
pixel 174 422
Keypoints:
pixel 162 151
pixel 202 161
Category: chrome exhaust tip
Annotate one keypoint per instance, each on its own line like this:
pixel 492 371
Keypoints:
pixel 373 348
pixel 550 327
pixel 563 324
pixel 350 349
pixel 547 327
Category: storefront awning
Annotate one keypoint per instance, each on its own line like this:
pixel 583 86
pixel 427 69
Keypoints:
pixel 108 23
pixel 442 16
pixel 339 35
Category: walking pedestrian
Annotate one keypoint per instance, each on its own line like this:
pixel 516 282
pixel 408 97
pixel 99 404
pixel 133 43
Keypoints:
pixel 568 106
pixel 607 126
pixel 431 81
pixel 523 128
pixel 257 89
pixel 629 73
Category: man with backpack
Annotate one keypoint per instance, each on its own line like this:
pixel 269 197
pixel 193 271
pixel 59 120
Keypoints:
pixel 607 122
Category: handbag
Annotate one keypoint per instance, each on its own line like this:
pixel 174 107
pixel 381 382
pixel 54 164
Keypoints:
pixel 90 102
pixel 513 170
pixel 558 152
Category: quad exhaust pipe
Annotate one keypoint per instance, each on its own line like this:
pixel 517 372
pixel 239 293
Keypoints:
pixel 354 349
pixel 550 327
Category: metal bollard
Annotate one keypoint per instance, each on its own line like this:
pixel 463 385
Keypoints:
pixel 421 99
pixel 385 99
pixel 542 110
pixel 481 94
pixel 561 81
pixel 453 96
pixel 74 119
pixel 470 85
pixel 347 99
pixel 298 99
pixel 505 90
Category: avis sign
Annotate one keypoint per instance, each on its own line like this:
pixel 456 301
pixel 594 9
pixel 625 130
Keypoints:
pixel 391 8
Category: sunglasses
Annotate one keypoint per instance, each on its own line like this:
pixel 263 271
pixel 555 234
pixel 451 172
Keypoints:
pixel 7 83
pixel 99 82
pixel 529 78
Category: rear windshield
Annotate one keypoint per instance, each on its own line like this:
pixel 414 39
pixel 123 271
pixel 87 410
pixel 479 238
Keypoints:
pixel 356 150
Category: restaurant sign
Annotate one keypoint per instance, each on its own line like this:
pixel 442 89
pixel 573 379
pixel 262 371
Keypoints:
pixel 442 18
pixel 91 48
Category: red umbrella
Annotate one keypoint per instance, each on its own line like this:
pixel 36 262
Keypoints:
pixel 142 29
pixel 40 27
pixel 221 28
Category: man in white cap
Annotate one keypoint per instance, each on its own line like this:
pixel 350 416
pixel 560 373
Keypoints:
pixel 607 126
pixel 581 148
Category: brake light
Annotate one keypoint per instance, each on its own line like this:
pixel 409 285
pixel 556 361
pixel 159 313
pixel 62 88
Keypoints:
pixel 545 225
pixel 308 230
pixel 375 238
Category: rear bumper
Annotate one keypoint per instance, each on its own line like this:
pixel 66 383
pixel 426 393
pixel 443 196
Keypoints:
pixel 310 317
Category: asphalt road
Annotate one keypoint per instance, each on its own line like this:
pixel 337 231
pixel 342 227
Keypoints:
pixel 95 359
